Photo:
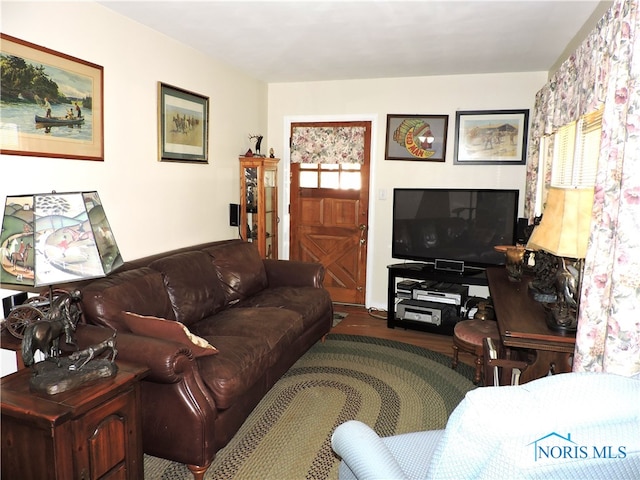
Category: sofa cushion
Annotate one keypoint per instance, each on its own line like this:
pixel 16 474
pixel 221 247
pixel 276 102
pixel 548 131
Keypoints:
pixel 308 302
pixel 250 341
pixel 272 325
pixel 192 284
pixel 168 330
pixel 239 268
pixel 140 290
pixel 241 363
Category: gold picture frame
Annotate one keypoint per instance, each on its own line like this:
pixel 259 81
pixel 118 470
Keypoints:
pixel 52 103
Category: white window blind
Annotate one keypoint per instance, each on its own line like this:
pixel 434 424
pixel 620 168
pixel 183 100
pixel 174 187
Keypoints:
pixel 588 150
pixel 576 152
pixel 563 155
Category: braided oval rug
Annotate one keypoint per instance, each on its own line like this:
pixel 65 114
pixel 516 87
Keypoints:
pixel 393 387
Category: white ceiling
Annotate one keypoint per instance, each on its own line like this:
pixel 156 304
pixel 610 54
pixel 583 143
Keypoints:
pixel 291 41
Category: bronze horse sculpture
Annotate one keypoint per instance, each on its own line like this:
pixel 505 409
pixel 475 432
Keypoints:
pixel 44 335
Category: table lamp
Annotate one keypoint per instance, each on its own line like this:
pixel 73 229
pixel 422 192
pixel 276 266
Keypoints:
pixel 50 239
pixel 54 238
pixel 563 232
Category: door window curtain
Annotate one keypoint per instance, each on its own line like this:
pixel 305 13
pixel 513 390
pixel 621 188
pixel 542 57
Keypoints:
pixel 605 70
pixel 328 144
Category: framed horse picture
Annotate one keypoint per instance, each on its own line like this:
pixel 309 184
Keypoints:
pixel 52 103
pixel 490 137
pixel 183 125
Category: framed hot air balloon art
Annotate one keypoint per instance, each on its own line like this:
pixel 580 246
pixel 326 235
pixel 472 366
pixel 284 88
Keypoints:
pixel 416 137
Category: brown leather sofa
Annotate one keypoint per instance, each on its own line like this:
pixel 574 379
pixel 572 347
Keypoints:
pixel 261 316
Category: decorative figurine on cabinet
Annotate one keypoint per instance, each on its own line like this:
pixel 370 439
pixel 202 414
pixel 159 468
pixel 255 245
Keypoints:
pixel 57 374
pixel 258 139
pixel 44 335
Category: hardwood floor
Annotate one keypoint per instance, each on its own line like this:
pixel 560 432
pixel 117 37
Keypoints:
pixel 374 324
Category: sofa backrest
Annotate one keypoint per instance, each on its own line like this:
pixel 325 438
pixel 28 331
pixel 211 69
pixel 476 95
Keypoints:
pixel 145 261
pixel 239 268
pixel 193 286
pixel 140 290
pixel 186 284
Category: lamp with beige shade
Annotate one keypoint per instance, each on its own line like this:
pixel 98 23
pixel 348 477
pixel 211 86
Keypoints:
pixel 564 234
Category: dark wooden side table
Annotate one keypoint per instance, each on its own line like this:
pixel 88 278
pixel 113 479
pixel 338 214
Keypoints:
pixel 521 321
pixel 93 432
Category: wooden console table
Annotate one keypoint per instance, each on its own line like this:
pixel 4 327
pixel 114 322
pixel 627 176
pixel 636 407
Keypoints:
pixel 93 432
pixel 522 325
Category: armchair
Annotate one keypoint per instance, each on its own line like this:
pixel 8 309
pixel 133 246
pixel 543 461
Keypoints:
pixel 574 425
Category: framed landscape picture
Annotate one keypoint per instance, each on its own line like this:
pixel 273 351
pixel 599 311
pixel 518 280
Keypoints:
pixel 491 137
pixel 52 103
pixel 183 123
pixel 416 137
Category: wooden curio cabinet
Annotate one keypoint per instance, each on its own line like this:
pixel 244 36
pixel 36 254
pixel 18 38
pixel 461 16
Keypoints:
pixel 259 203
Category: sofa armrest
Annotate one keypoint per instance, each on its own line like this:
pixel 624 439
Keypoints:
pixel 167 361
pixel 364 452
pixel 179 414
pixel 293 273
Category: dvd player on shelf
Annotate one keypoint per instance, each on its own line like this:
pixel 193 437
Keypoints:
pixel 440 292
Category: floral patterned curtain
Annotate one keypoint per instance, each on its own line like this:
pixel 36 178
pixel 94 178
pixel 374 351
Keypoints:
pixel 605 70
pixel 327 144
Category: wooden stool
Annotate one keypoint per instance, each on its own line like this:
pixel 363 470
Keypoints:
pixel 468 336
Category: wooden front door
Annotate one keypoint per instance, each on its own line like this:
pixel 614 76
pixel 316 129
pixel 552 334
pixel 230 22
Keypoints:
pixel 329 219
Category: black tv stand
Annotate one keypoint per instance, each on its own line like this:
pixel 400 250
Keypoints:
pixel 424 271
pixel 430 267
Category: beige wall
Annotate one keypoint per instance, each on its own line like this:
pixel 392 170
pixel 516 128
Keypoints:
pixel 152 206
pixel 373 100
pixel 156 206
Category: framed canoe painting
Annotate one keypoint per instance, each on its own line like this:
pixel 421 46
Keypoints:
pixel 51 103
pixel 183 123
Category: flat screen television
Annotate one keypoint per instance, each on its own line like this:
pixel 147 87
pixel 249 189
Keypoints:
pixel 453 229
